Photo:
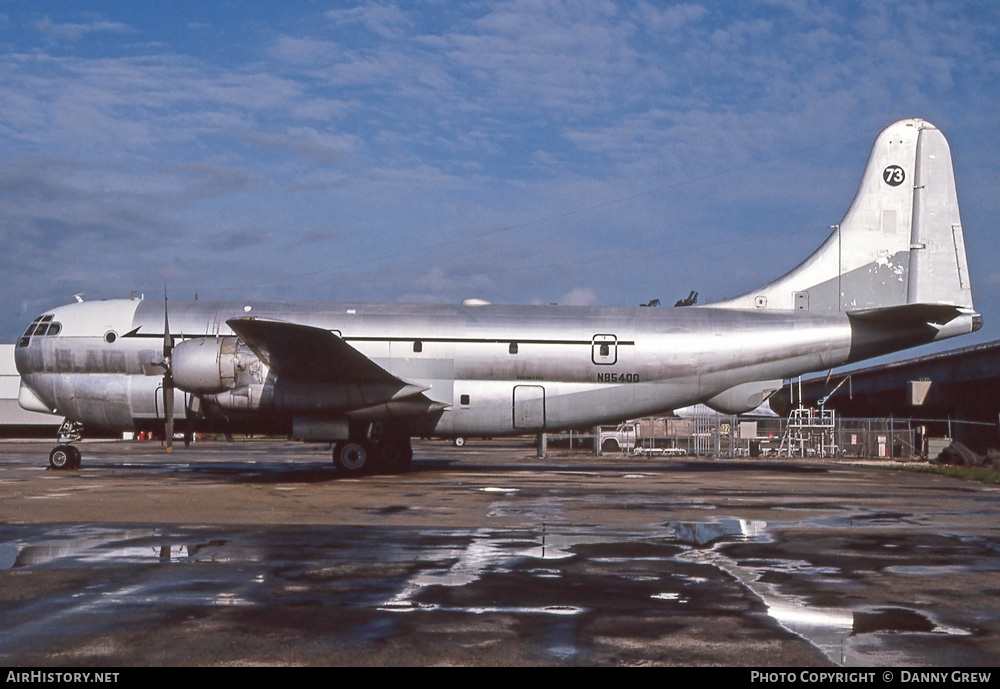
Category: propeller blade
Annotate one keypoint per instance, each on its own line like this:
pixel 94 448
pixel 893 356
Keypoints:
pixel 168 379
pixel 189 402
pixel 168 340
pixel 168 411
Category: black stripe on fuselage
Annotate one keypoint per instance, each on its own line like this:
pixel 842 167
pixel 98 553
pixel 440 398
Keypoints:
pixel 451 340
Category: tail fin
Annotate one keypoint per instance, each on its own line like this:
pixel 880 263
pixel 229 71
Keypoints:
pixel 899 243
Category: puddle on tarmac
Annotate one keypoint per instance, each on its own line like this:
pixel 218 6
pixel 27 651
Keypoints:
pixel 87 544
pixel 924 570
pixel 489 554
pixel 728 529
pixel 8 555
pixel 891 620
pixel 828 629
pixel 670 596
pixel 459 558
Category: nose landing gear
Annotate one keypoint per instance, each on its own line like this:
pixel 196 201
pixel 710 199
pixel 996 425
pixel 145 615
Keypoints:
pixel 66 456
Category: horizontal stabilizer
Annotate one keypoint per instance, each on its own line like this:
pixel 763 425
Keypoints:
pixel 880 331
pixel 906 314
pixel 302 352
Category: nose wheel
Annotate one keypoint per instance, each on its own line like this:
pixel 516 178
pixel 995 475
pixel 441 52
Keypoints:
pixel 65 457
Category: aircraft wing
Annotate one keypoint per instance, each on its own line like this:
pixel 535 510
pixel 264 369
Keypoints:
pixel 302 352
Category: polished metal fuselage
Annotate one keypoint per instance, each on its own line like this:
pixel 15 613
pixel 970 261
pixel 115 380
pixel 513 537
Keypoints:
pixel 493 369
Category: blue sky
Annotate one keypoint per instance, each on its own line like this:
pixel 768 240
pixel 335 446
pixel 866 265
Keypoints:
pixel 530 151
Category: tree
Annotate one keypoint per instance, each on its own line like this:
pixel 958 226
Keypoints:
pixel 691 300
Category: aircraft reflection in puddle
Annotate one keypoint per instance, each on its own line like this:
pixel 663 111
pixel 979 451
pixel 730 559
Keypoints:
pixel 486 553
pixel 89 544
pixel 501 551
pixel 826 628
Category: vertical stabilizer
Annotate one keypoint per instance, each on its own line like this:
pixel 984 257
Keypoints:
pixel 899 243
pixel 939 270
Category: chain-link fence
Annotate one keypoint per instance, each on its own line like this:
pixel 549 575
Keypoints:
pixel 808 434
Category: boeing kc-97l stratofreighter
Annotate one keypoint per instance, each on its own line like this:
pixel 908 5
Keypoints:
pixel 369 377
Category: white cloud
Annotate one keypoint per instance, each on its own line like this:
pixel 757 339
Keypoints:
pixel 669 19
pixel 387 21
pixel 303 51
pixel 73 32
pixel 580 296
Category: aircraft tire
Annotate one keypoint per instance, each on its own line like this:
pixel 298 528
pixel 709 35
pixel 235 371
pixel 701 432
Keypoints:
pixel 76 459
pixel 61 457
pixel 352 457
pixel 396 456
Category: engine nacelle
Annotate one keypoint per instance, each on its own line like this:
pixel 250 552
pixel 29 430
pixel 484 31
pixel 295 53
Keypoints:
pixel 213 365
pixel 743 398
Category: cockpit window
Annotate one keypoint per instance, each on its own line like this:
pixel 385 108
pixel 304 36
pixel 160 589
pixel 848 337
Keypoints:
pixel 31 328
pixel 39 327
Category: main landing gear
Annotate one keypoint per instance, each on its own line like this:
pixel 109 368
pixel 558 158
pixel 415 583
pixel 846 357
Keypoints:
pixel 376 450
pixel 65 456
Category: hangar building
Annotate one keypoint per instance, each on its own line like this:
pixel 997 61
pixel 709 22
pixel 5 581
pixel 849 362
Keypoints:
pixel 954 393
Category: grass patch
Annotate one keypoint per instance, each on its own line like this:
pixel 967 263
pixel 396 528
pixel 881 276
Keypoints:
pixel 986 475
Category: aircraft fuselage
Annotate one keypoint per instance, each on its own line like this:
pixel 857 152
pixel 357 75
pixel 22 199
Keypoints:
pixel 490 370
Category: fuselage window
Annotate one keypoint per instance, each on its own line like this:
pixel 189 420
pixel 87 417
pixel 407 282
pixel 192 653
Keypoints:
pixel 418 346
pixel 513 348
pixel 110 336
pixel 604 350
pixel 464 400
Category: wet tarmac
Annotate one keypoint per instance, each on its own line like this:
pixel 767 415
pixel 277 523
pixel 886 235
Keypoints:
pixel 260 554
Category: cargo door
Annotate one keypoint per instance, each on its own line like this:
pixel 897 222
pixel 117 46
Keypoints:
pixel 529 407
